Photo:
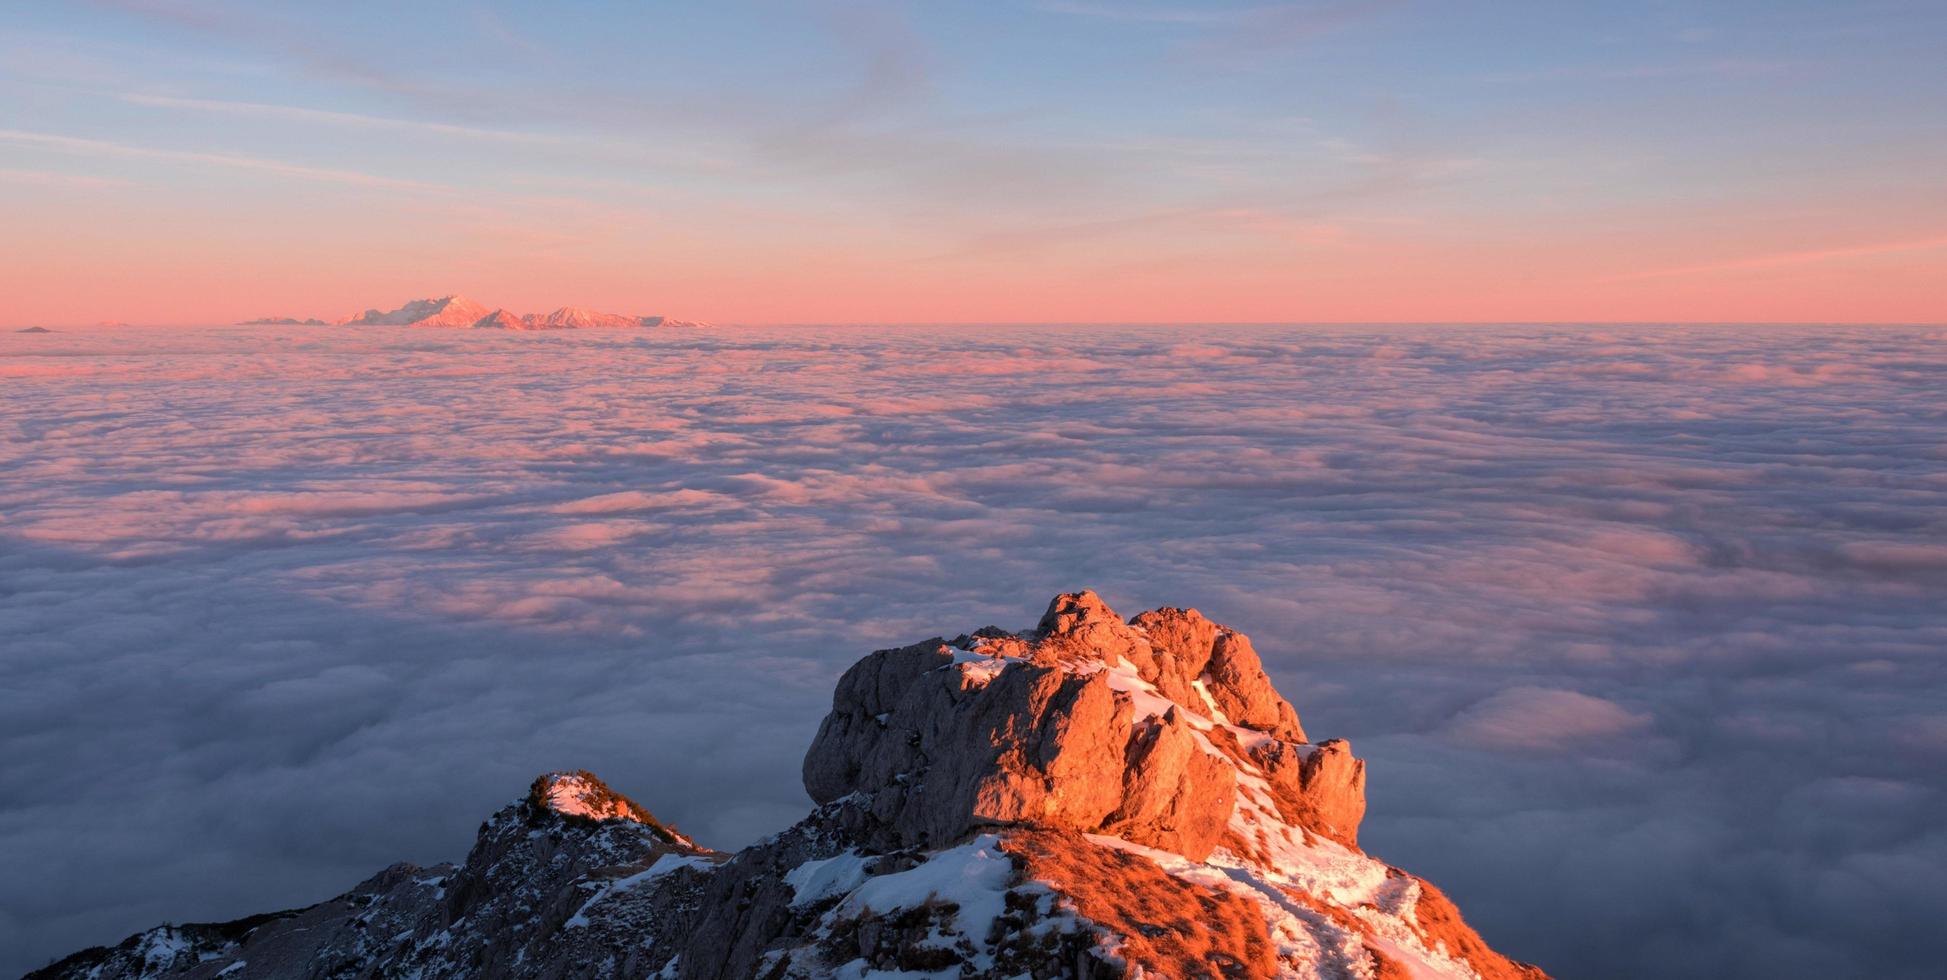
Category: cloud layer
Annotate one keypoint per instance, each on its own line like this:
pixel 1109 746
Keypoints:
pixel 1639 628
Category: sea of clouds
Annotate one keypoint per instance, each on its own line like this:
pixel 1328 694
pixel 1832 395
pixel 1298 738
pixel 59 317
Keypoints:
pixel 1643 631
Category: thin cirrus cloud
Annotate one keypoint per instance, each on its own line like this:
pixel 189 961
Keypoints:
pixel 1148 14
pixel 49 178
pixel 1638 628
pixel 1779 260
pixel 108 148
pixel 301 114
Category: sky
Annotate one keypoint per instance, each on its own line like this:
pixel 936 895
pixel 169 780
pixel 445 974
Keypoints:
pixel 1639 629
pixel 170 161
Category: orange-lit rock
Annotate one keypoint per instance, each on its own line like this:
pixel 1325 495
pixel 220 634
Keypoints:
pixel 1440 926
pixel 1323 790
pixel 1086 723
pixel 1091 798
pixel 1168 927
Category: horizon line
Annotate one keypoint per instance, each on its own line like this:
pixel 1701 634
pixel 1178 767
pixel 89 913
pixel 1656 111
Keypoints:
pixel 729 324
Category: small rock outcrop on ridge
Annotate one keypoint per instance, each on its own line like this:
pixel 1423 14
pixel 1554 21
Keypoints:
pixel 1093 797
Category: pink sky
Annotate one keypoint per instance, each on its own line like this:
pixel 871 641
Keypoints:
pixel 80 252
pixel 200 162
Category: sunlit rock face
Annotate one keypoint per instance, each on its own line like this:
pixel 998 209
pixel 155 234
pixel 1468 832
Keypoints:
pixel 1087 722
pixel 1092 797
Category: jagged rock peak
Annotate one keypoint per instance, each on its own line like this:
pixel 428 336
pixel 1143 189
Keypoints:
pixel 1192 661
pixel 1162 730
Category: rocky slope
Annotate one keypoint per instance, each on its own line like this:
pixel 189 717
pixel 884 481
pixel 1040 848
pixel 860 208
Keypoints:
pixel 1090 798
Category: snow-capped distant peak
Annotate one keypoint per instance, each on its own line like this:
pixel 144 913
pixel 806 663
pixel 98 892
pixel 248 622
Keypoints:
pixel 500 320
pixel 577 318
pixel 445 311
pixel 458 311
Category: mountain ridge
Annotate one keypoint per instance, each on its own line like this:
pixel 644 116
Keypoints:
pixel 1091 797
pixel 457 312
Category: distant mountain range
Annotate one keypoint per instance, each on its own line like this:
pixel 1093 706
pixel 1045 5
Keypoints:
pixel 461 313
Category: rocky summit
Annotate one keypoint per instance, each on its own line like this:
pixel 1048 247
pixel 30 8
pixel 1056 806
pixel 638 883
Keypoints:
pixel 1093 797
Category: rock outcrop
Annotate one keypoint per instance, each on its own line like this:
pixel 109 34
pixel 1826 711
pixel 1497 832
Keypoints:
pixel 1093 797
pixel 1086 723
pixel 519 899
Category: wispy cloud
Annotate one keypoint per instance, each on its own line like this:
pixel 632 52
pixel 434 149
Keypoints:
pixel 101 148
pixel 1150 14
pixel 1723 68
pixel 48 178
pixel 356 120
pixel 1256 26
pixel 1173 224
pixel 321 53
pixel 1784 259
